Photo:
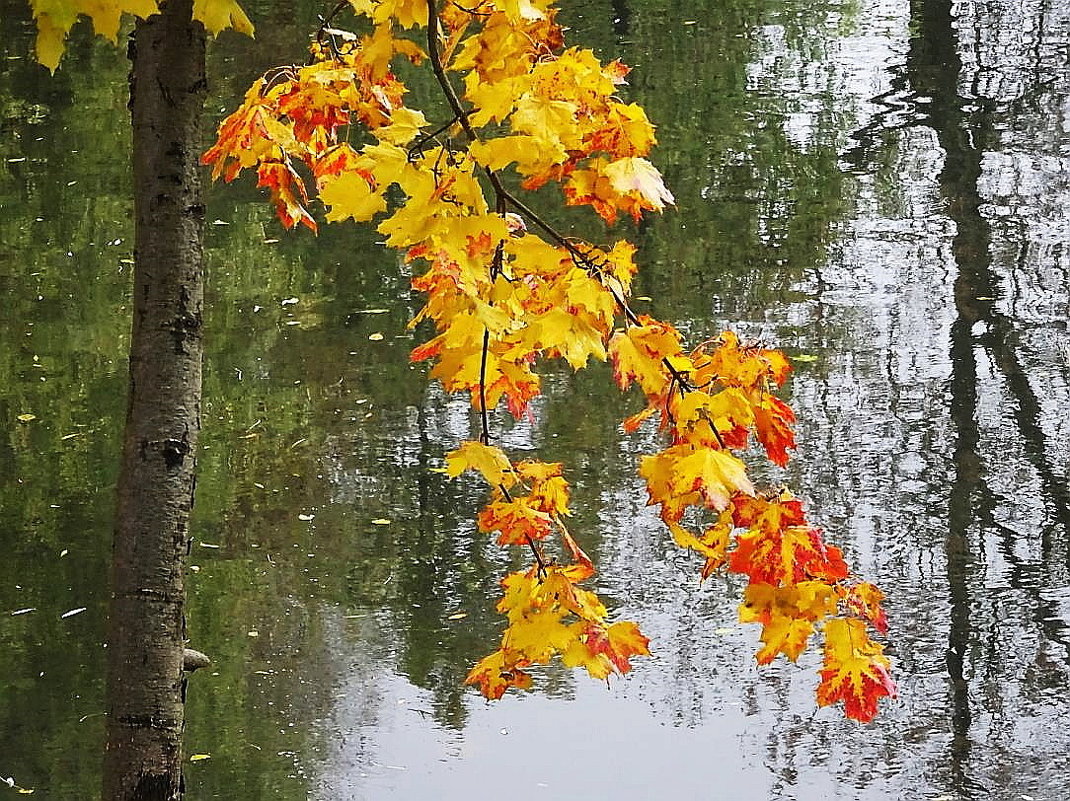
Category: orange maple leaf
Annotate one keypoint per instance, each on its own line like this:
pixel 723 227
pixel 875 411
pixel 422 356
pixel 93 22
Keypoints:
pixel 864 599
pixel 496 673
pixel 516 521
pixel 786 556
pixel 618 643
pixel 288 192
pixel 772 420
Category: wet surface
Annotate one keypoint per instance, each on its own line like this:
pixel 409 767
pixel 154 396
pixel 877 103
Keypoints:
pixel 881 189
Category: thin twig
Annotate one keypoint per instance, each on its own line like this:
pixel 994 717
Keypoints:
pixel 419 144
pixel 484 418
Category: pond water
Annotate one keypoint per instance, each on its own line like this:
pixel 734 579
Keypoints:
pixel 880 188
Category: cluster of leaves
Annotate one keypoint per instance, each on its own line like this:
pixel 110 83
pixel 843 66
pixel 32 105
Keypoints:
pixel 55 18
pixel 505 290
pixel 549 615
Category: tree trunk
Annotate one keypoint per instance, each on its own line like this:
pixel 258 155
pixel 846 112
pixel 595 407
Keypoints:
pixel 145 692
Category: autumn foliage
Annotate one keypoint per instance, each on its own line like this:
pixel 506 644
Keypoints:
pixel 505 291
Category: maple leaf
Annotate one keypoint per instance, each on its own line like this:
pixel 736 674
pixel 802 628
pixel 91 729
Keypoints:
pixel 723 418
pixel 551 496
pixel 404 126
pixel 250 135
pixel 713 543
pixel 577 654
pixel 538 472
pixel 682 476
pixel 498 153
pixel 638 179
pixel 513 381
pixel 626 132
pixel 864 599
pixel 350 196
pixel 810 600
pixel 496 673
pixel 855 672
pixel 787 615
pixel 744 366
pixel 772 513
pixel 619 262
pixel 631 423
pixel 773 419
pixel 538 634
pixel 787 555
pixel 638 353
pixel 288 192
pixel 784 635
pixel 516 520
pixel 55 18
pixel 618 643
pixel 568 335
pixel 218 15
pixel 488 460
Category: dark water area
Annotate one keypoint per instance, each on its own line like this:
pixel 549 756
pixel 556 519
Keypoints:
pixel 880 188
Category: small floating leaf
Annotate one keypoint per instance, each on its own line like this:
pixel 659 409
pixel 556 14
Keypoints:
pixel 10 782
pixel 306 518
pixel 804 357
pixel 199 757
pixel 381 521
pixel 25 418
pixel 375 337
pixel 457 616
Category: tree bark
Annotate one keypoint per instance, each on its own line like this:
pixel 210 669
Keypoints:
pixel 145 690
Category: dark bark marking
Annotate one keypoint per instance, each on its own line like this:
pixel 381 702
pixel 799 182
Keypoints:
pixel 154 787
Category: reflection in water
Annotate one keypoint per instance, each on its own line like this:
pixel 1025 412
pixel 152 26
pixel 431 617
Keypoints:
pixel 879 187
pixel 967 127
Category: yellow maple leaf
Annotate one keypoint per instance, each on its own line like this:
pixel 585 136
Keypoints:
pixel 488 460
pixel 638 352
pixel 577 654
pixel 538 634
pixel 856 670
pixel 407 13
pixel 517 521
pixel 517 10
pixel 54 19
pixel 493 100
pixel 219 14
pixel 784 635
pixel 569 336
pixel 404 126
pixel 717 475
pixel 349 196
pixel 498 153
